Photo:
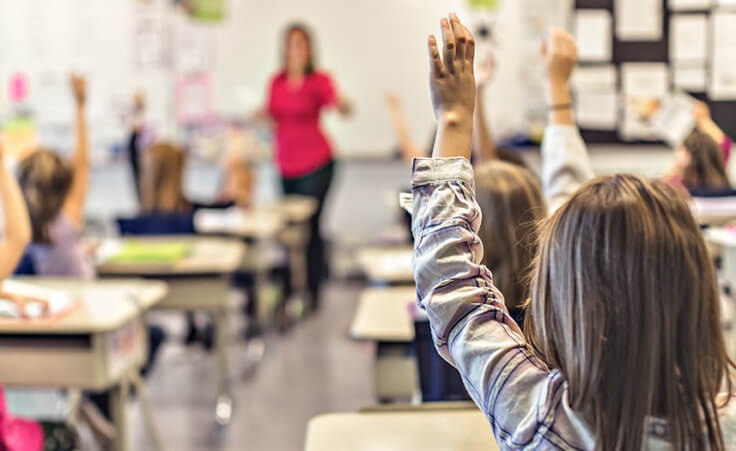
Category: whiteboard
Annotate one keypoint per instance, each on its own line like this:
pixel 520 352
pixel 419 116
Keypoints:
pixel 369 47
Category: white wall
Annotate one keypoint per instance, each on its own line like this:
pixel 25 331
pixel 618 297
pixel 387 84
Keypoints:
pixel 370 47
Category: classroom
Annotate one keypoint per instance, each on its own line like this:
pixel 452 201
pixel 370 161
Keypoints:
pixel 329 225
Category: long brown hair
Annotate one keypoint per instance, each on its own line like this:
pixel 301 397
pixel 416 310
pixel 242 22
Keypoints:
pixel 624 303
pixel 162 179
pixel 45 179
pixel 307 33
pixel 706 169
pixel 511 200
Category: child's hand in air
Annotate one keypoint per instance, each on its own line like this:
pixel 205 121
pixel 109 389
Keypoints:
pixel 452 85
pixel 79 89
pixel 451 79
pixel 560 55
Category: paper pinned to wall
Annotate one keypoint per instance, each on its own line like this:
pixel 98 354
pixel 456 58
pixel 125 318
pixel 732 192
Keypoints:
pixel 639 20
pixel 644 86
pixel 726 3
pixel 689 5
pixel 688 38
pixel 723 71
pixel 692 79
pixel 596 97
pixel 593 34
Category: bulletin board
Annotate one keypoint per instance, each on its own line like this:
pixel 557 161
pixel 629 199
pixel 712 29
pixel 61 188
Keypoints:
pixel 723 112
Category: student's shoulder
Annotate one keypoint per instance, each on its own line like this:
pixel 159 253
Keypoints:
pixel 278 78
pixel 321 76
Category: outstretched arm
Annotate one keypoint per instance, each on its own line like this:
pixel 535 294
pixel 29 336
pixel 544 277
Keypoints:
pixel 409 148
pixel 17 230
pixel 75 200
pixel 565 161
pixel 470 324
pixel 484 146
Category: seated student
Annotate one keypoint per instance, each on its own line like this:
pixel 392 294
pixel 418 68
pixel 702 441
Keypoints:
pixel 162 193
pixel 55 192
pixel 699 165
pixel 705 124
pixel 623 346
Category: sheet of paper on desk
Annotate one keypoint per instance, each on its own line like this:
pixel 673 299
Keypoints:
pixel 593 34
pixel 689 38
pixel 723 68
pixel 644 85
pixel 59 302
pixel 689 5
pixel 596 97
pixel 692 79
pixel 638 20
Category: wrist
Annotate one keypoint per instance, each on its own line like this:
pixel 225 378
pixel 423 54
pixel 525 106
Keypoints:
pixel 558 92
pixel 456 120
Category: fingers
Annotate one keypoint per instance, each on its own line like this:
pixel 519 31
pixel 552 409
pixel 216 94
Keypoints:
pixel 470 52
pixel 436 64
pixel 449 45
pixel 460 38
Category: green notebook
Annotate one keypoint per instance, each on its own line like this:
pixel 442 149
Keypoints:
pixel 146 252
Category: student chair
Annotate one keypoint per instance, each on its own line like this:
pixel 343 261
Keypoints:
pixel 438 380
pixel 157 224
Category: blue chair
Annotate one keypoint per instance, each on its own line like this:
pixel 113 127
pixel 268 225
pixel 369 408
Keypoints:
pixel 26 267
pixel 157 224
pixel 438 380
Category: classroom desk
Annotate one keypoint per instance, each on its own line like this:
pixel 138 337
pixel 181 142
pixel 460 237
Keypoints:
pixel 414 429
pixel 198 282
pixel 98 346
pixel 387 265
pixel 383 317
pixel 285 221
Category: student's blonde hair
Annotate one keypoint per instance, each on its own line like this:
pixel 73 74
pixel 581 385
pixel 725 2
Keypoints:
pixel 706 169
pixel 45 179
pixel 511 200
pixel 162 179
pixel 624 304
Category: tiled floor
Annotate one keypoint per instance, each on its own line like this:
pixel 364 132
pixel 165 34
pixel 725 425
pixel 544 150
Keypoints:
pixel 315 368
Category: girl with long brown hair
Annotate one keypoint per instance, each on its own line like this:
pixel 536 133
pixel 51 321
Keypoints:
pixel 623 349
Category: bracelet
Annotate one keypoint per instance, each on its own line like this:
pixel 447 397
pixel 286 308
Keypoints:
pixel 563 106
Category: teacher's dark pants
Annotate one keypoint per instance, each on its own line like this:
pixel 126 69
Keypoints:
pixel 316 185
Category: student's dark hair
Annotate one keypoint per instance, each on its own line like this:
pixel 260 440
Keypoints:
pixel 45 179
pixel 706 169
pixel 298 27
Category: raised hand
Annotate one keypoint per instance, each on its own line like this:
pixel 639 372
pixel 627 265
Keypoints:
pixel 452 82
pixel 452 86
pixel 486 70
pixel 560 55
pixel 79 89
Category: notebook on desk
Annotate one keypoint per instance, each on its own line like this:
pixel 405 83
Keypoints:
pixel 59 303
pixel 143 252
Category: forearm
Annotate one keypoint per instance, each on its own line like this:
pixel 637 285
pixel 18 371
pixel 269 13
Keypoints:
pixel 17 231
pixel 344 106
pixel 559 102
pixel 80 159
pixel 454 136
pixel 710 128
pixel 483 144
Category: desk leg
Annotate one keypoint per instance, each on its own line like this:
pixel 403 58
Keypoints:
pixel 224 403
pixel 147 410
pixel 119 401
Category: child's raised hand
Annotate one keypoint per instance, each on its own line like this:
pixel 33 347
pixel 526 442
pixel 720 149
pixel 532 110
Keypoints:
pixel 560 55
pixel 79 89
pixel 451 79
pixel 486 70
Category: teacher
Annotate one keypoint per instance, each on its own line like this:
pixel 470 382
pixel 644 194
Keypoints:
pixel 298 94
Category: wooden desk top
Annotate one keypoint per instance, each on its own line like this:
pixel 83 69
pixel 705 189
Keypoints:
pixel 431 430
pixel 105 305
pixel 383 315
pixel 209 255
pixel 387 264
